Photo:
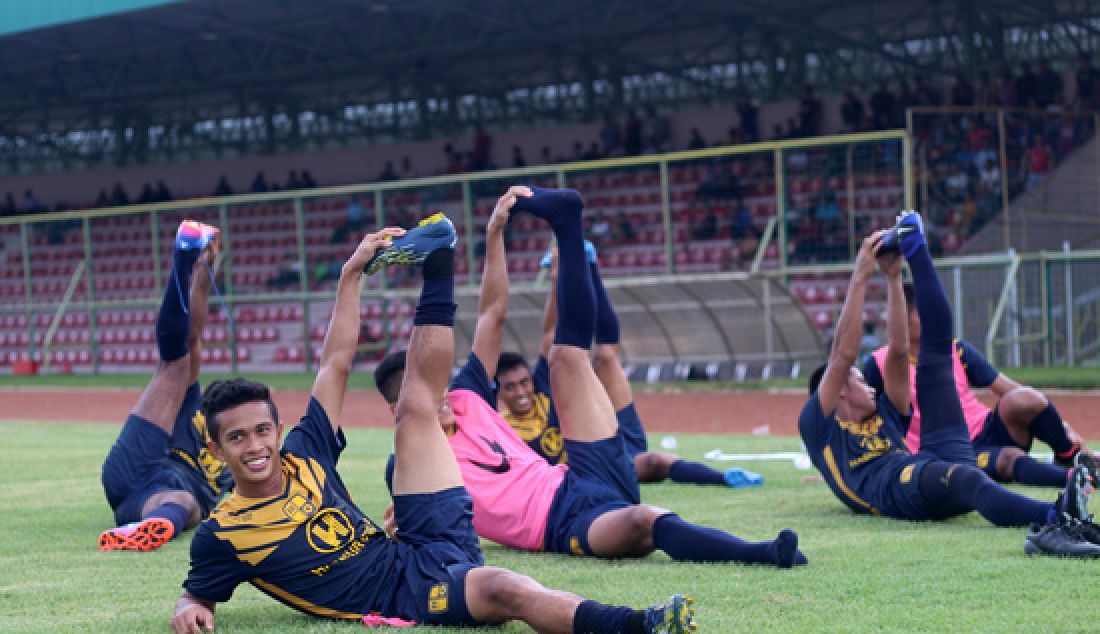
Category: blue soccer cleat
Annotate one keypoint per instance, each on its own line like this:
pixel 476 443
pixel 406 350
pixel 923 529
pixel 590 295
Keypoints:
pixel 194 235
pixel 905 237
pixel 433 233
pixel 736 477
pixel 677 616
pixel 589 254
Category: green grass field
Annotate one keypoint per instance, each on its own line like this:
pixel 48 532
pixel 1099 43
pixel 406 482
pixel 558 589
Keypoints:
pixel 865 574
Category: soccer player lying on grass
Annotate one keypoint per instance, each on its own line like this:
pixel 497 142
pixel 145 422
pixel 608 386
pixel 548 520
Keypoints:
pixel 292 530
pixel 529 409
pixel 1001 436
pixel 591 506
pixel 159 477
pixel 856 441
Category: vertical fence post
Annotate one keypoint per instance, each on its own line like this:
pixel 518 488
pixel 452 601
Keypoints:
pixel 93 312
pixel 781 207
pixel 850 185
pixel 956 278
pixel 1071 337
pixel 28 293
pixel 300 230
pixel 154 236
pixel 907 169
pixel 227 263
pixel 666 215
pixel 1045 309
pixel 1003 152
pixel 468 218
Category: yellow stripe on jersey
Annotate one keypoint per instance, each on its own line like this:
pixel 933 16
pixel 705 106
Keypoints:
pixel 256 527
pixel 301 604
pixel 830 461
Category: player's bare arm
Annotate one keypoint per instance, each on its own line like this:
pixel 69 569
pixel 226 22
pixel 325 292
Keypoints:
pixel 342 337
pixel 193 615
pixel 492 309
pixel 849 327
pixel 897 333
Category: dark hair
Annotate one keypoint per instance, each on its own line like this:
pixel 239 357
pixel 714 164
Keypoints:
pixel 509 361
pixel 910 296
pixel 816 375
pixel 222 395
pixel 388 375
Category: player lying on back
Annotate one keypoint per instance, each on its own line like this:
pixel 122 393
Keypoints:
pixel 292 530
pixel 856 440
pixel 591 506
pixel 159 477
pixel 1001 436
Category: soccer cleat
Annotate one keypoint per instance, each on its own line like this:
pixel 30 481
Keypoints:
pixel 675 617
pixel 433 233
pixel 736 477
pixel 905 237
pixel 148 534
pixel 1086 530
pixel 1060 540
pixel 194 235
pixel 1073 503
pixel 1090 462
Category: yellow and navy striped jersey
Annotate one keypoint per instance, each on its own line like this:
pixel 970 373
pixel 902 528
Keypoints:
pixel 309 547
pixel 539 427
pixel 860 460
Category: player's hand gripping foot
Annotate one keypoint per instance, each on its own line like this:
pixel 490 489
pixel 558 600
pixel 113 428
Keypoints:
pixel 905 237
pixel 148 534
pixel 552 205
pixel 674 617
pixel 194 236
pixel 434 232
pixel 1060 540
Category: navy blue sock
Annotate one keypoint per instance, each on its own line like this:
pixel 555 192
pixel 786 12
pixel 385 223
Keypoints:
pixel 684 541
pixel 173 513
pixel 1028 470
pixel 953 489
pixel 694 473
pixel 932 304
pixel 1047 426
pixel 174 319
pixel 607 322
pixel 437 296
pixel 576 297
pixel 596 618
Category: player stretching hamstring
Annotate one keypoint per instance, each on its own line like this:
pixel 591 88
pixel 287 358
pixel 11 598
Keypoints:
pixel 291 529
pixel 159 476
pixel 1002 435
pixel 592 506
pixel 856 441
pixel 529 407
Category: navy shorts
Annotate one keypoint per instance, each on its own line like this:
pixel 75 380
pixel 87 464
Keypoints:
pixel 630 426
pixel 138 467
pixel 438 528
pixel 994 433
pixel 600 478
pixel 905 500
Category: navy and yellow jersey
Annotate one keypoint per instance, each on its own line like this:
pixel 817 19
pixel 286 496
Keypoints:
pixel 309 547
pixel 190 438
pixel 473 377
pixel 860 460
pixel 979 371
pixel 539 428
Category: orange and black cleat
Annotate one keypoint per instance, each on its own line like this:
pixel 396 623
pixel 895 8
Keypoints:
pixel 148 534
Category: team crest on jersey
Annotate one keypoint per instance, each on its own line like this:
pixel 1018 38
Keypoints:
pixel 575 547
pixel 437 598
pixel 329 530
pixel 982 460
pixel 298 508
pixel 906 474
pixel 551 442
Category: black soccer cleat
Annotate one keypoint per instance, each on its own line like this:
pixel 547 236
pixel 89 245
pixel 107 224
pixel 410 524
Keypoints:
pixel 1060 540
pixel 1086 530
pixel 1073 503
pixel 1089 461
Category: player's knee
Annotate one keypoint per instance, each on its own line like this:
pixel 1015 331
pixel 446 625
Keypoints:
pixel 640 526
pixel 605 357
pixel 1006 462
pixel 653 466
pixel 508 592
pixel 1024 403
pixel 568 358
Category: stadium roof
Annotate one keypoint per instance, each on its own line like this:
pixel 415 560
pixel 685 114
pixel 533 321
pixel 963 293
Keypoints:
pixel 450 62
